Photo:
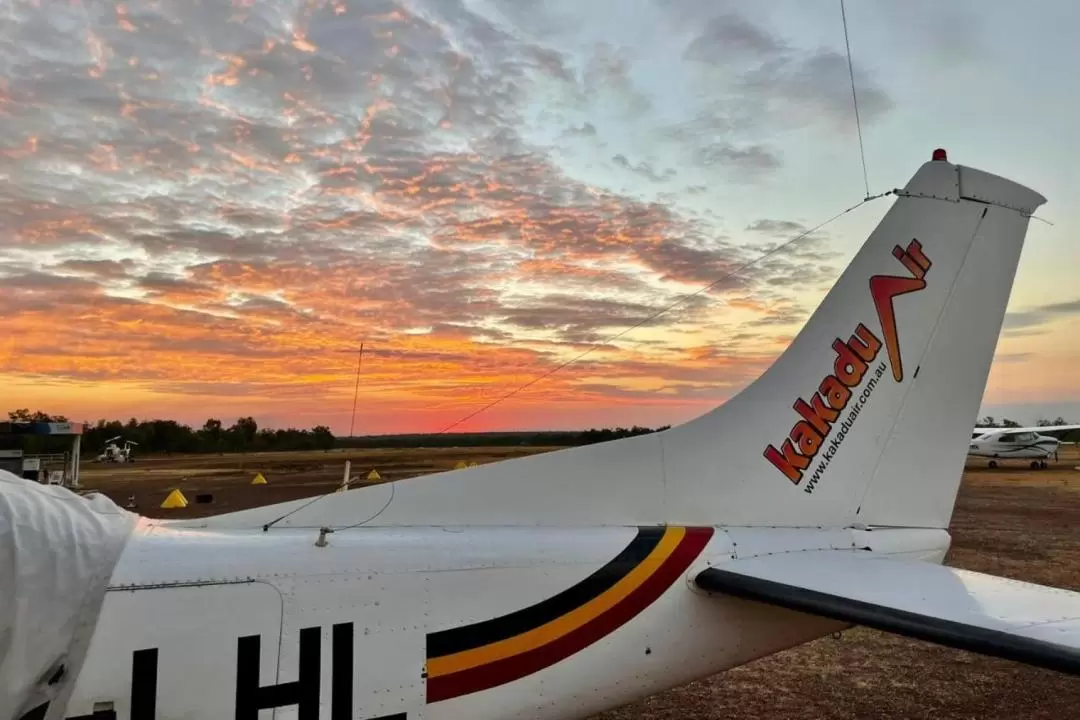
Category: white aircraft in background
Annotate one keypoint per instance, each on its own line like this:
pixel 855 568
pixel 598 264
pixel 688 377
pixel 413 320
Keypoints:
pixel 1037 444
pixel 114 453
pixel 559 585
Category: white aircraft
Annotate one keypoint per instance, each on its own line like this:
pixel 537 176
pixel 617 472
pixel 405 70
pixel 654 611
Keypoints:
pixel 558 585
pixel 1037 444
pixel 114 453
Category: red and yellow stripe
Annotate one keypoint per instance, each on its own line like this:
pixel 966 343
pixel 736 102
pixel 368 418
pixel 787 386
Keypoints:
pixel 484 655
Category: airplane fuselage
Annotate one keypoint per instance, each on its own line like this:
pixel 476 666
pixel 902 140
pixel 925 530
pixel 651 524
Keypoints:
pixel 1042 447
pixel 432 622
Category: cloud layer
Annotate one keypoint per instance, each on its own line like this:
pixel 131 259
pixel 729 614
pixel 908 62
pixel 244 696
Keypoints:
pixel 225 198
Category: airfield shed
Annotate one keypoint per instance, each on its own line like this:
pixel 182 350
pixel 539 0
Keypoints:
pixel 11 432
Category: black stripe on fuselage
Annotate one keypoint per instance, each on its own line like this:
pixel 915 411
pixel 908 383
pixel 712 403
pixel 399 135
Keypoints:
pixel 455 640
pixel 1046 448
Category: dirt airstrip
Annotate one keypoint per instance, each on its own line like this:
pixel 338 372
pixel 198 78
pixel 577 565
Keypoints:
pixel 289 475
pixel 1014 522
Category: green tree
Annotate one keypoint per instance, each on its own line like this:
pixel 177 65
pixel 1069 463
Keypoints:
pixel 243 433
pixel 24 415
pixel 211 435
pixel 324 438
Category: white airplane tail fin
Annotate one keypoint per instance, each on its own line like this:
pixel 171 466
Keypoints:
pixel 864 419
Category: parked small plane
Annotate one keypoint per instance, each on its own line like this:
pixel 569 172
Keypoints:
pixel 114 453
pixel 558 585
pixel 1037 444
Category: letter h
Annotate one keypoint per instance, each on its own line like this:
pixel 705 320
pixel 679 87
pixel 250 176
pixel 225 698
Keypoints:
pixel 303 692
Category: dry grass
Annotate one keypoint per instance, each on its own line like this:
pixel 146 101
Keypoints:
pixel 1010 521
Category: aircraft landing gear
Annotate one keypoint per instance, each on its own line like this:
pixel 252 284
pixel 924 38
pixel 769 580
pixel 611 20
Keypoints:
pixel 992 464
pixel 1042 465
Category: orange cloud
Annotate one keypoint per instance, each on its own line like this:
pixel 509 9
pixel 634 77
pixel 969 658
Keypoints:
pixel 244 196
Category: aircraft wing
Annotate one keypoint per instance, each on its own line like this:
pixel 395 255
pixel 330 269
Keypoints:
pixel 1033 624
pixel 1057 431
pixel 1054 430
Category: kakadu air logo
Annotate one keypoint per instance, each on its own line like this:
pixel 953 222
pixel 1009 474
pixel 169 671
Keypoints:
pixel 854 361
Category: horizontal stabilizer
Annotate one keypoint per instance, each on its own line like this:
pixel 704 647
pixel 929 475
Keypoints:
pixel 1019 621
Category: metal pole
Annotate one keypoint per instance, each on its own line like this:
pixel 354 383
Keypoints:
pixel 356 391
pixel 76 447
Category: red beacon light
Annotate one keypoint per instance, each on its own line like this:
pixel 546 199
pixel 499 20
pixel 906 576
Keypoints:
pixel 940 155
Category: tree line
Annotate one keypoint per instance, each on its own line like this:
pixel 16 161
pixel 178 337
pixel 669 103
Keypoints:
pixel 536 438
pixel 244 435
pixel 990 422
pixel 169 436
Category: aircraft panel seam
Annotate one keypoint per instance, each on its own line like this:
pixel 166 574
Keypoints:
pixel 890 438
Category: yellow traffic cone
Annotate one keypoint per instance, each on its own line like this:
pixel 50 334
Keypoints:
pixel 174 500
pixel 258 479
pixel 374 475
pixel 460 465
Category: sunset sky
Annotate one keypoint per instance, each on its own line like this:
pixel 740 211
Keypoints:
pixel 206 206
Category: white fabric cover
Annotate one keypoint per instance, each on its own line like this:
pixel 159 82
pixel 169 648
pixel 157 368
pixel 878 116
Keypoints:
pixel 57 552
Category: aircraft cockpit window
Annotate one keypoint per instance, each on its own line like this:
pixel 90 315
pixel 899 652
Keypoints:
pixel 1008 438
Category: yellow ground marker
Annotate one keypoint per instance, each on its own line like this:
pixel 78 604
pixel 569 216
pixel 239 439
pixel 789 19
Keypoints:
pixel 460 465
pixel 374 475
pixel 174 500
pixel 258 479
pixel 472 463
